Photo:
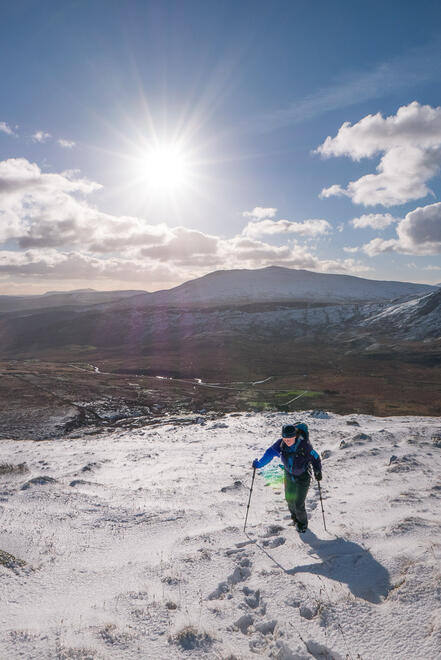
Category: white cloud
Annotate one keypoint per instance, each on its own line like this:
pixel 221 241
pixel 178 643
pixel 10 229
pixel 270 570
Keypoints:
pixel 243 252
pixel 351 250
pixel 374 220
pixel 60 235
pixel 347 266
pixel 432 268
pixel 5 128
pixel 378 246
pixel 53 264
pixel 41 209
pixel 41 136
pixel 66 144
pixel 419 233
pixel 258 213
pixel 333 191
pixel 184 247
pixel 410 142
pixel 307 228
pixel 256 254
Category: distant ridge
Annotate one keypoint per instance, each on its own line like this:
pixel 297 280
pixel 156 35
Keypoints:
pixel 51 299
pixel 277 284
pixel 229 309
pixel 52 293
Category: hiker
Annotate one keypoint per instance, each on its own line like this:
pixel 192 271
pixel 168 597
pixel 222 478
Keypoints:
pixel 297 454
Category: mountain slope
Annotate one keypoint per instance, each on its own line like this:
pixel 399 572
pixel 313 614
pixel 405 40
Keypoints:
pixel 234 306
pixel 275 284
pixel 82 297
pixel 419 318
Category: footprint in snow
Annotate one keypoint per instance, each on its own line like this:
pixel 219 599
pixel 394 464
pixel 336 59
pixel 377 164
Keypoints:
pixel 266 627
pixel 244 622
pixel 252 598
pixel 272 530
pixel 221 590
pixel 321 652
pixel 38 481
pixel 241 573
pixel 309 612
pixel 274 543
pixel 258 646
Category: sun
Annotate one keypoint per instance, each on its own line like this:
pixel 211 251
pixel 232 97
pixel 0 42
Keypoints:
pixel 165 169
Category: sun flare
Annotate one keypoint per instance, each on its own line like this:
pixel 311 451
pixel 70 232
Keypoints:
pixel 165 169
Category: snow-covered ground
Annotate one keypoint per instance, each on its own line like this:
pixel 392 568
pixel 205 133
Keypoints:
pixel 419 318
pixel 134 544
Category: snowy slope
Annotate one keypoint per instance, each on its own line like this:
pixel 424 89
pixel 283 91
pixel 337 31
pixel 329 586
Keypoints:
pixel 415 319
pixel 134 544
pixel 279 284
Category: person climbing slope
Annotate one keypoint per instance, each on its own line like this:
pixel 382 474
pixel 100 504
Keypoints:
pixel 297 454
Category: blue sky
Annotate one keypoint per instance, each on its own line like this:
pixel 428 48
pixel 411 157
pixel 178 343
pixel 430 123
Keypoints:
pixel 146 143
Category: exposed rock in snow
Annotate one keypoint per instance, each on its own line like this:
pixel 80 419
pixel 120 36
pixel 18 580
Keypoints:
pixel 38 481
pixel 319 414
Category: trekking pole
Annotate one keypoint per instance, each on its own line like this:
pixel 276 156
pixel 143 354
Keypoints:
pixel 249 499
pixel 321 502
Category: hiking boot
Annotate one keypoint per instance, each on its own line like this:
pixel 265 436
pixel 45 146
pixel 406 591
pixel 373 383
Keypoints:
pixel 302 527
pixel 294 519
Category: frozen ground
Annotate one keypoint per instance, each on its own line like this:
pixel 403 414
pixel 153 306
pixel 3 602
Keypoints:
pixel 134 546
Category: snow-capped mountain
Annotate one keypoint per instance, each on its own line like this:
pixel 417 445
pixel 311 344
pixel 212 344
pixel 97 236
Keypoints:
pixel 243 304
pixel 276 284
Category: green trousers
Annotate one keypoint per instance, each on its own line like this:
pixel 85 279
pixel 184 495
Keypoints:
pixel 295 495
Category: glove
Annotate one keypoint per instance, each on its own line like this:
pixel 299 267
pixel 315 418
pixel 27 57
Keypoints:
pixel 318 476
pixel 256 463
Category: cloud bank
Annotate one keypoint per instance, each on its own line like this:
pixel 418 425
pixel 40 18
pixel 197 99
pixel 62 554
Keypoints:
pixel 50 230
pixel 419 233
pixel 374 221
pixel 307 228
pixel 410 147
pixel 258 213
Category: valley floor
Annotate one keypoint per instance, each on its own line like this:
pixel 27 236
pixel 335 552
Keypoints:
pixel 130 544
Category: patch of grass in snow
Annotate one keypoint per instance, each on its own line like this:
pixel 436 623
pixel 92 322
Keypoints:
pixel 64 653
pixel 9 468
pixel 113 637
pixel 190 638
pixel 260 405
pixel 9 561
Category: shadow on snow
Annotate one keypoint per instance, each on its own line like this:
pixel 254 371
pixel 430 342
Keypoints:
pixel 348 563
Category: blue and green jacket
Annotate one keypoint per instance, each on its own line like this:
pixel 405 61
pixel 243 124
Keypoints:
pixel 296 459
